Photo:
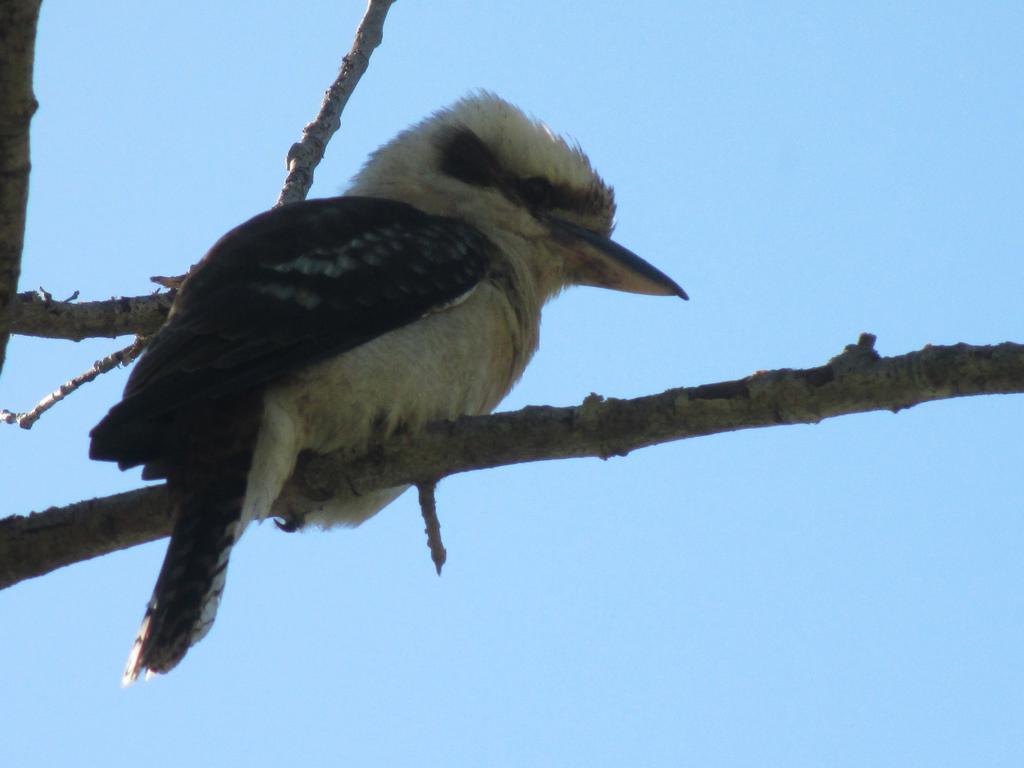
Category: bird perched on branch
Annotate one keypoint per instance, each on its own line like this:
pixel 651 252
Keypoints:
pixel 330 324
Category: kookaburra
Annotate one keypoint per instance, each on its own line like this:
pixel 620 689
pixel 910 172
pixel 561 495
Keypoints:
pixel 329 324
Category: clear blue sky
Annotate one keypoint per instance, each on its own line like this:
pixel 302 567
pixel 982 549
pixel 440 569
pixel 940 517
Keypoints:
pixel 845 594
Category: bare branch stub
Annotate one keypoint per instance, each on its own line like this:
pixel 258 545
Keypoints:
pixel 306 154
pixel 428 508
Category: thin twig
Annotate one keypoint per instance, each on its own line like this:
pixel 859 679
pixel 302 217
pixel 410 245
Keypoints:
pixel 306 154
pixel 428 508
pixel 120 357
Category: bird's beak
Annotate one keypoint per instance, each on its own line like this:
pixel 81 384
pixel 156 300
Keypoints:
pixel 599 261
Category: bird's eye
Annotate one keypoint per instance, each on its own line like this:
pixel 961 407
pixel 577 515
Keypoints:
pixel 536 191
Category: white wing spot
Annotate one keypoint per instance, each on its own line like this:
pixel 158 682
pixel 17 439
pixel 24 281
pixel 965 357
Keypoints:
pixel 329 263
pixel 342 263
pixel 300 296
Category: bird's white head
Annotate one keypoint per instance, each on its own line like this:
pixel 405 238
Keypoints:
pixel 484 161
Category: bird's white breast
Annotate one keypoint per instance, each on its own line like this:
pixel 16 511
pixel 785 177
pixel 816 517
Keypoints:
pixel 460 360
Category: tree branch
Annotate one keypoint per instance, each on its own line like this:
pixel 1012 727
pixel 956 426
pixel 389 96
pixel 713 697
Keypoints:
pixel 104 365
pixel 17 105
pixel 36 313
pixel 41 542
pixel 428 508
pixel 306 154
pixel 856 381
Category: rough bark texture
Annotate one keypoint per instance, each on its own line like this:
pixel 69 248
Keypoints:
pixel 853 382
pixel 17 105
pixel 306 154
pixel 37 314
pixel 43 541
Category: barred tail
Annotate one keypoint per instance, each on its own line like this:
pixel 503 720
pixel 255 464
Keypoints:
pixel 188 590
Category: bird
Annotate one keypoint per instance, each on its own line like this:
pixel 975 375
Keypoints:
pixel 331 324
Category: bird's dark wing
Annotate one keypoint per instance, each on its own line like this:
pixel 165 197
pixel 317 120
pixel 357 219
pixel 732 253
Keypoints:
pixel 290 287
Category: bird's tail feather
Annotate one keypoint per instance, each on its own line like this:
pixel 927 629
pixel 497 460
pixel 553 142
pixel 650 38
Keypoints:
pixel 187 592
pixel 208 492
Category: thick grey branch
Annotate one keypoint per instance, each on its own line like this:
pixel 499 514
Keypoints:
pixel 38 314
pixel 854 382
pixel 43 541
pixel 17 105
pixel 306 154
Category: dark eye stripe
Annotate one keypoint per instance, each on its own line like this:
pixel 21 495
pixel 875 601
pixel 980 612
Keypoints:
pixel 536 192
pixel 464 156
